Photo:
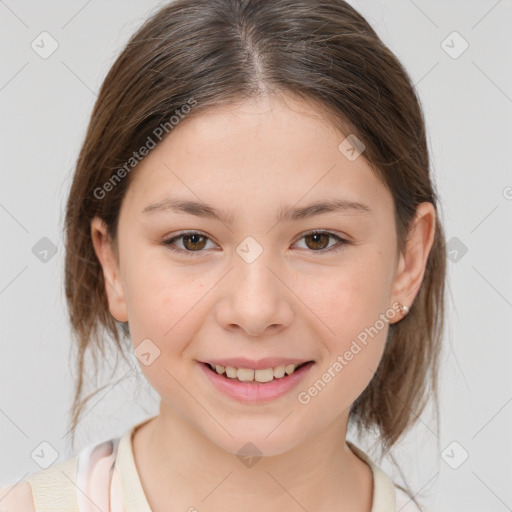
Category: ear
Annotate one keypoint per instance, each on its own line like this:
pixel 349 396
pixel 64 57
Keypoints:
pixel 413 261
pixel 105 252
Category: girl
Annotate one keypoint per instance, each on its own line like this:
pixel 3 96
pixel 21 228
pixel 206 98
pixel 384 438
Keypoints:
pixel 252 209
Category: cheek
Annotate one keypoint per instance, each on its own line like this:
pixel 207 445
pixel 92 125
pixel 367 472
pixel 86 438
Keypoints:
pixel 162 304
pixel 355 320
pixel 350 297
pixel 352 303
pixel 163 309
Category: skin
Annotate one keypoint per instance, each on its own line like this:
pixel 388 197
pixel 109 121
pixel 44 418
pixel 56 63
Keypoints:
pixel 255 158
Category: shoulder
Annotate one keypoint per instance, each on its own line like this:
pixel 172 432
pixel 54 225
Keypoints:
pixel 70 485
pixel 16 498
pixel 56 483
pixel 43 490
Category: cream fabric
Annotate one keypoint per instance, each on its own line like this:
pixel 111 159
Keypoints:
pixel 55 490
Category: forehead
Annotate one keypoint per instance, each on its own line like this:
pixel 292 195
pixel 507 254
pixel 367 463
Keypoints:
pixel 272 149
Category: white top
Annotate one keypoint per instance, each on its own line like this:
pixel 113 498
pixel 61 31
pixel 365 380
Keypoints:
pixel 107 473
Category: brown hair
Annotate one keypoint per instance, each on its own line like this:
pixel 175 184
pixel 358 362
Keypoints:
pixel 225 51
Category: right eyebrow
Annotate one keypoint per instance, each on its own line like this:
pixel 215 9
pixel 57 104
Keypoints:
pixel 201 209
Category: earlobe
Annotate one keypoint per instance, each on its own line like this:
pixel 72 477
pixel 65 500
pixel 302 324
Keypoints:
pixel 413 261
pixel 103 247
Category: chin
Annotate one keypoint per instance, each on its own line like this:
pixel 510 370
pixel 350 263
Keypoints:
pixel 256 442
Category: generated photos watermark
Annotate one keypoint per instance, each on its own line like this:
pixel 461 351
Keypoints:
pixel 342 360
pixel 158 133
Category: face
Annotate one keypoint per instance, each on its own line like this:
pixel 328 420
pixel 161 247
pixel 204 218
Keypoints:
pixel 257 282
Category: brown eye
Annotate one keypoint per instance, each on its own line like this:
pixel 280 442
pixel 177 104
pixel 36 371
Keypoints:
pixel 315 242
pixel 194 242
pixel 319 241
pixel 190 242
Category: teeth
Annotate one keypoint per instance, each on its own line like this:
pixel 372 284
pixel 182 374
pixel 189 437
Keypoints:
pixel 250 375
pixel 279 372
pixel 245 374
pixel 290 368
pixel 231 372
pixel 265 375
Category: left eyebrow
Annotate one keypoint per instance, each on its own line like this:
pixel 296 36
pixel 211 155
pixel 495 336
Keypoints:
pixel 328 206
pixel 201 209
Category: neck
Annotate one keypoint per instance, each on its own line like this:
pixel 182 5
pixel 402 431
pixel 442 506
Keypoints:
pixel 178 465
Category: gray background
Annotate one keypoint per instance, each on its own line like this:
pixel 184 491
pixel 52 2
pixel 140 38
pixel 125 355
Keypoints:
pixel 45 105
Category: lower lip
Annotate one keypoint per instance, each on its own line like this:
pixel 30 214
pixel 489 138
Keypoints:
pixel 255 392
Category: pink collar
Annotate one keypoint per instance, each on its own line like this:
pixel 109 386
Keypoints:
pixel 98 486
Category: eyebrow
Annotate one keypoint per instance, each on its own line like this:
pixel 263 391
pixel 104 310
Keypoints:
pixel 201 209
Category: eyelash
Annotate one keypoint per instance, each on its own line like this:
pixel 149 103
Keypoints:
pixel 341 242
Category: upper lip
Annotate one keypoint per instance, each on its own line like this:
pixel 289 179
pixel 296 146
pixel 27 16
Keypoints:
pixel 260 364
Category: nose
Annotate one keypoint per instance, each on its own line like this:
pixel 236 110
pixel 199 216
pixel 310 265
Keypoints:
pixel 256 298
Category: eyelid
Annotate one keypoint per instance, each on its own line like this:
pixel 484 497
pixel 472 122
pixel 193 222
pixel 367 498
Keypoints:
pixel 341 241
pixel 169 242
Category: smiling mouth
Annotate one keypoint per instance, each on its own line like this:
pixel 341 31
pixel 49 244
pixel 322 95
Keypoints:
pixel 256 376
